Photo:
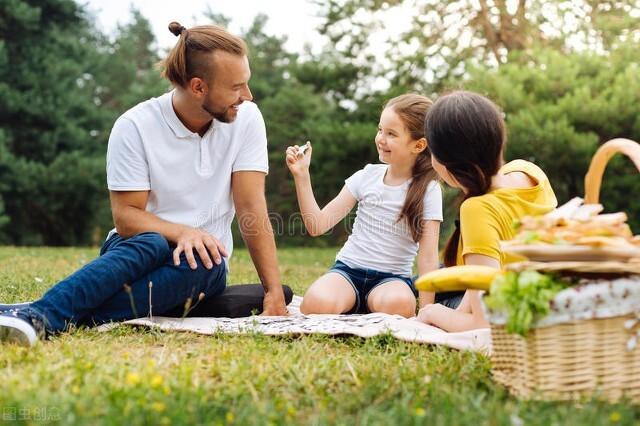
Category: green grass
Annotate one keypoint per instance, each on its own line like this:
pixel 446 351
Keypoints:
pixel 138 376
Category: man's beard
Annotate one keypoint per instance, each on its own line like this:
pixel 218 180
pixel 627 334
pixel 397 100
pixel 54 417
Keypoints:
pixel 222 117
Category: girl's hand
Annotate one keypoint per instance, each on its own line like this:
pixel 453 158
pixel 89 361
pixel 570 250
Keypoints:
pixel 298 164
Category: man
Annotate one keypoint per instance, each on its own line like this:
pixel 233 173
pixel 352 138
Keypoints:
pixel 178 168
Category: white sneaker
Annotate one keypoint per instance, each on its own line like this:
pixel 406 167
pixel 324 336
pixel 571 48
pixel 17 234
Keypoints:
pixel 16 330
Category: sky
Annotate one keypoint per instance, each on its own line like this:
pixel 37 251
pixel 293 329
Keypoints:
pixel 294 18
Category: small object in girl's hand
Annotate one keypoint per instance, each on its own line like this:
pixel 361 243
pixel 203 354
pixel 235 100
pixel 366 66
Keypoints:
pixel 302 149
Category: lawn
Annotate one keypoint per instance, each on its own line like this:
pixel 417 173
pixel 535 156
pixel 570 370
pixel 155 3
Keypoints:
pixel 129 376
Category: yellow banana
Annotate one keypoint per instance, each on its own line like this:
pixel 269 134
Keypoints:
pixel 475 277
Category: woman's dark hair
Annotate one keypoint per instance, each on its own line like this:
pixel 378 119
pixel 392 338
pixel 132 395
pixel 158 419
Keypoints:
pixel 466 134
pixel 412 109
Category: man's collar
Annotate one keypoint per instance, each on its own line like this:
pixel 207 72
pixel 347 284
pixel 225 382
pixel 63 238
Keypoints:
pixel 170 116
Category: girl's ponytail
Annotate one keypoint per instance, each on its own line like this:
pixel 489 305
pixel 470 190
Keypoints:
pixel 413 208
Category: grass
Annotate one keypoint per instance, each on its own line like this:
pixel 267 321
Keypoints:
pixel 137 376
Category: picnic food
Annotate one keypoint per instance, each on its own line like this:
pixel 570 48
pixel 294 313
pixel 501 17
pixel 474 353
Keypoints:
pixel 575 232
pixel 576 224
pixel 461 277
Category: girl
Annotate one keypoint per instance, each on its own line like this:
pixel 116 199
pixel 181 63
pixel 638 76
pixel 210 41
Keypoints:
pixel 399 214
pixel 466 137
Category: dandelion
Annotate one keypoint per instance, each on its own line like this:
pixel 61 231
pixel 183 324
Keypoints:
pixel 132 378
pixel 420 412
pixel 156 381
pixel 291 411
pixel 158 406
pixel 615 417
pixel 230 417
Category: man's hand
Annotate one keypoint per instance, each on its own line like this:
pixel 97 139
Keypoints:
pixel 273 304
pixel 204 243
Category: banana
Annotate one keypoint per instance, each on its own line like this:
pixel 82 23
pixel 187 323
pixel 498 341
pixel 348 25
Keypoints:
pixel 475 277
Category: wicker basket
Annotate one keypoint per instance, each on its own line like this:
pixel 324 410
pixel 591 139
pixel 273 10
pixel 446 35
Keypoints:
pixel 575 360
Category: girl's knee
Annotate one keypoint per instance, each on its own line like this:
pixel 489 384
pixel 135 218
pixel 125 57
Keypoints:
pixel 319 303
pixel 394 303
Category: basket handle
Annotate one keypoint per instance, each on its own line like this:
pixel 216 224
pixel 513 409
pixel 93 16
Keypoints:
pixel 593 178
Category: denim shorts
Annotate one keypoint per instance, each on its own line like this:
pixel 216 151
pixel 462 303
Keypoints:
pixel 364 281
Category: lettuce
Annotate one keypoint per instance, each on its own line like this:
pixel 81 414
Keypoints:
pixel 524 297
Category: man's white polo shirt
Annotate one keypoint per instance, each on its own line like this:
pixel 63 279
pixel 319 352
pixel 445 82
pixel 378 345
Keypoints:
pixel 188 176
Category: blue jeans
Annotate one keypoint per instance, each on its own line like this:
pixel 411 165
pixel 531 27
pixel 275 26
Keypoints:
pixel 97 294
pixel 364 281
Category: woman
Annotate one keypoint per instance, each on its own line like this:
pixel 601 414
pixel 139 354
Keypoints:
pixel 466 137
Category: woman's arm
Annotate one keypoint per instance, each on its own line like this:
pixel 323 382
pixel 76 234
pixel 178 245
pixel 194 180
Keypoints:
pixel 428 255
pixel 468 316
pixel 316 220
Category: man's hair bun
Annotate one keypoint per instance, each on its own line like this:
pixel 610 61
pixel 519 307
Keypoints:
pixel 176 29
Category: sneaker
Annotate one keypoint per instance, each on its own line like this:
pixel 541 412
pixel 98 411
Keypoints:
pixel 16 330
pixel 10 306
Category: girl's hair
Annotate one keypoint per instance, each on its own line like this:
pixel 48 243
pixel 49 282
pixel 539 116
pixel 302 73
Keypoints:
pixel 189 59
pixel 466 134
pixel 411 109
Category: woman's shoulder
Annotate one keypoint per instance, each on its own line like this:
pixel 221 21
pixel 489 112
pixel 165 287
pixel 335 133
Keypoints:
pixel 526 167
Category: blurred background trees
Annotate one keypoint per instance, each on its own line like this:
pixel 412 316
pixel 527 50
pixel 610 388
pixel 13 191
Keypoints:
pixel 566 74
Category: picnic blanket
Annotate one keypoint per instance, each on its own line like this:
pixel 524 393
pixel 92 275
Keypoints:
pixel 368 325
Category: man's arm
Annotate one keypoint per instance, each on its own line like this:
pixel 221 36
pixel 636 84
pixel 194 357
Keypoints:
pixel 131 218
pixel 251 208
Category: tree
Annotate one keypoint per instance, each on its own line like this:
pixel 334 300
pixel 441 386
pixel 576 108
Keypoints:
pixel 45 110
pixel 442 37
pixel 62 84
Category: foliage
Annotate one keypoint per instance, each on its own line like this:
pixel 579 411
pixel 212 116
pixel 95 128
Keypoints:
pixel 62 84
pixel 443 36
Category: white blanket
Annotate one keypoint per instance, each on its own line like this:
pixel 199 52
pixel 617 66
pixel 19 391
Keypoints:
pixel 368 325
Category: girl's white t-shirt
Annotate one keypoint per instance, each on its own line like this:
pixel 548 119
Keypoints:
pixel 379 241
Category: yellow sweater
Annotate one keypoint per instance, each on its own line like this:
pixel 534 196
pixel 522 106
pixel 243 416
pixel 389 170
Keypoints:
pixel 487 219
